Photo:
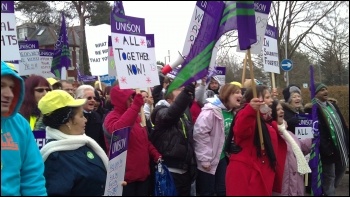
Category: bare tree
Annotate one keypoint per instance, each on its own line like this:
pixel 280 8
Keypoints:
pixel 304 17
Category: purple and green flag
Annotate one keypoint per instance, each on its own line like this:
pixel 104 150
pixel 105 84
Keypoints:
pixel 218 18
pixel 315 158
pixel 118 12
pixel 61 57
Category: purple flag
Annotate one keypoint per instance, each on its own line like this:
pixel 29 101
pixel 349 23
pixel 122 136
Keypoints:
pixel 246 24
pixel 61 56
pixel 315 158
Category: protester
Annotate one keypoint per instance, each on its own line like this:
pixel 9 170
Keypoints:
pixel 209 134
pixel 334 140
pixel 108 104
pixel 274 93
pixel 147 109
pixel 292 106
pixel 74 163
pixel 253 171
pixel 99 107
pixel 173 136
pixel 68 87
pixel 94 122
pixel 296 165
pixel 127 106
pixel 35 88
pixel 54 83
pixel 22 169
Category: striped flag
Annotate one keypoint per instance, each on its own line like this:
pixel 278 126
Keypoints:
pixel 315 158
pixel 246 24
pixel 118 11
pixel 61 57
pixel 219 18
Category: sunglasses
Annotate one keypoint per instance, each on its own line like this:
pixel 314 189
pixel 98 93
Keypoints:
pixel 42 90
pixel 90 98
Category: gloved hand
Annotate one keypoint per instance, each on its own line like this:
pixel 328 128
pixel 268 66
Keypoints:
pixel 138 100
pixel 190 88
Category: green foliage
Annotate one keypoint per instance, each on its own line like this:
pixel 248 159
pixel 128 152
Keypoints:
pixel 35 11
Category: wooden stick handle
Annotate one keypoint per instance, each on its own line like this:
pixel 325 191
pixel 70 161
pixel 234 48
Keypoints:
pixel 244 67
pixel 255 95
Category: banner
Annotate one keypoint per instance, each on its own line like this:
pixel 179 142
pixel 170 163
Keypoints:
pixel 262 10
pixel 97 47
pixel 40 138
pixel 112 70
pixel 221 74
pixel 131 55
pixel 9 41
pixel 30 57
pixel 46 56
pixel 304 129
pixel 270 51
pixel 117 162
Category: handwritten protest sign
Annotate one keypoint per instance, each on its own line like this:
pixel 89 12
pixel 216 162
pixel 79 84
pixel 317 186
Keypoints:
pixel 30 57
pixel 262 10
pixel 40 138
pixel 305 127
pixel 46 56
pixel 131 55
pixel 9 41
pixel 270 51
pixel 97 46
pixel 117 161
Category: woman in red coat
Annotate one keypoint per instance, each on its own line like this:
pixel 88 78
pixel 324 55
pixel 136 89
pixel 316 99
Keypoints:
pixel 125 113
pixel 253 172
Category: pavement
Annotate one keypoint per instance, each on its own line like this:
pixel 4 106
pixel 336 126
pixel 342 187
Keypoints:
pixel 343 188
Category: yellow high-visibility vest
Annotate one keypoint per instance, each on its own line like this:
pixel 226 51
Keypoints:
pixel 32 121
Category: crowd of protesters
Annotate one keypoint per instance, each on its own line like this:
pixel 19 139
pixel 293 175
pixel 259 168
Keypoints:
pixel 207 134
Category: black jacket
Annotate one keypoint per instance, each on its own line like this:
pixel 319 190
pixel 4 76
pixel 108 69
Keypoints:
pixel 291 116
pixel 94 129
pixel 329 152
pixel 172 134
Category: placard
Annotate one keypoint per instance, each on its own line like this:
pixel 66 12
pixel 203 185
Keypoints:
pixel 305 127
pixel 30 57
pixel 270 50
pixel 46 56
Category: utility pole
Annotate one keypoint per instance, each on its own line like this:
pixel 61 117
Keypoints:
pixel 286 38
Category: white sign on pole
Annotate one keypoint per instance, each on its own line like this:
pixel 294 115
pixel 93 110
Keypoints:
pixel 262 10
pixel 30 57
pixel 46 56
pixel 97 47
pixel 9 41
pixel 270 51
pixel 131 55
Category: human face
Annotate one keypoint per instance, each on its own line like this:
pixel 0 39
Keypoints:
pixel 280 113
pixel 90 103
pixel 274 93
pixel 7 86
pixel 68 88
pixel 295 100
pixel 322 95
pixel 144 96
pixel 40 92
pixel 235 99
pixel 214 85
pixel 77 123
pixel 267 98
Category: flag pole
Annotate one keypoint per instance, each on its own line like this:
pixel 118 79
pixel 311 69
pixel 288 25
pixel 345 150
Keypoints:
pixel 244 67
pixel 255 96
pixel 273 80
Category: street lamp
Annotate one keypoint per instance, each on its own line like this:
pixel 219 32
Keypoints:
pixel 289 21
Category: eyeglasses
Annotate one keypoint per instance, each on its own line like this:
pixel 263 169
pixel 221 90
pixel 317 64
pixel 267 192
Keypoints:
pixel 42 90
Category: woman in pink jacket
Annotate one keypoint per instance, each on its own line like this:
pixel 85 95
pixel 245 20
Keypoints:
pixel 209 133
pixel 296 165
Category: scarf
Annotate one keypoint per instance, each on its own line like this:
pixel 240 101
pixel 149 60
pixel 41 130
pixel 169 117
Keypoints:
pixel 335 120
pixel 70 142
pixel 303 166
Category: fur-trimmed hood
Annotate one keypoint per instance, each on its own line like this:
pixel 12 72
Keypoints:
pixel 287 106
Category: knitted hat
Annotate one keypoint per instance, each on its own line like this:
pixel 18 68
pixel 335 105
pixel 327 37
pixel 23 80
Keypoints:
pixel 319 86
pixel 289 90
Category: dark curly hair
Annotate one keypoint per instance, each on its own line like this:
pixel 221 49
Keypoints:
pixel 59 117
